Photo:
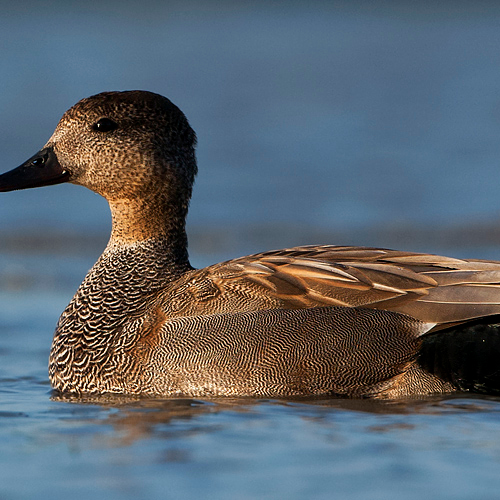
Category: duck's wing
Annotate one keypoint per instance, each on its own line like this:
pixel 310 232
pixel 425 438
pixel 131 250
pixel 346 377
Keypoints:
pixel 430 288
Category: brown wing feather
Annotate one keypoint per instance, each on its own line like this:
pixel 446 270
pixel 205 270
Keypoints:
pixel 430 288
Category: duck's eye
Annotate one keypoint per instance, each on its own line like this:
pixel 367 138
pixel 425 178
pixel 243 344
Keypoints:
pixel 105 125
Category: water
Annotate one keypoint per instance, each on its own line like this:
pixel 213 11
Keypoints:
pixel 267 449
pixel 331 122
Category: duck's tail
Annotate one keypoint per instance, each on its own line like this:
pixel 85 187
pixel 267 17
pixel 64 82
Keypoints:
pixel 467 355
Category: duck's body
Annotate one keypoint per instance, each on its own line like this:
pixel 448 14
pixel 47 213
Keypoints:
pixel 303 321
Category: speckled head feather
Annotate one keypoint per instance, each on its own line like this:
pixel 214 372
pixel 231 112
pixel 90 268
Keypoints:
pixel 152 142
pixel 312 320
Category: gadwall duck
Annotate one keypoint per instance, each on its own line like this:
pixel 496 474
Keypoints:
pixel 304 321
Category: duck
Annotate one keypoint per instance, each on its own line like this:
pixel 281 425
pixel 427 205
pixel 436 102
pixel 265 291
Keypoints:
pixel 308 321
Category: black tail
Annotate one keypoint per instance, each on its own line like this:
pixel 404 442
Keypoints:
pixel 466 355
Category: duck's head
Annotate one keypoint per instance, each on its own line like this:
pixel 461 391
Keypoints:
pixel 122 145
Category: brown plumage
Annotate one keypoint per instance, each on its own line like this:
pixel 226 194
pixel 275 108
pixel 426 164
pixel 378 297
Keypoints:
pixel 302 321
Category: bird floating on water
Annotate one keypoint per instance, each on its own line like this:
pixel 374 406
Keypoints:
pixel 304 321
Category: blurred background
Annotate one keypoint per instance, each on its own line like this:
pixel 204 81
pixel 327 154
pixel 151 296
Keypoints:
pixel 343 122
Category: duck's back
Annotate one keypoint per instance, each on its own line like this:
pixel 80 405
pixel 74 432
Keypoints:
pixel 430 288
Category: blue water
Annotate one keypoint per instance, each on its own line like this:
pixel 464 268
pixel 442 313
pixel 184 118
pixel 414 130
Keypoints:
pixel 356 122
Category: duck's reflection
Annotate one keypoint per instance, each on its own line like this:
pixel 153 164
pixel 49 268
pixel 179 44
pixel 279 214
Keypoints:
pixel 136 418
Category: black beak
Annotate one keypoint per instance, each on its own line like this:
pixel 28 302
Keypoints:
pixel 43 169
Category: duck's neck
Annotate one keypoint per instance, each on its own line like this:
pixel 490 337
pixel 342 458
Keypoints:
pixel 157 225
